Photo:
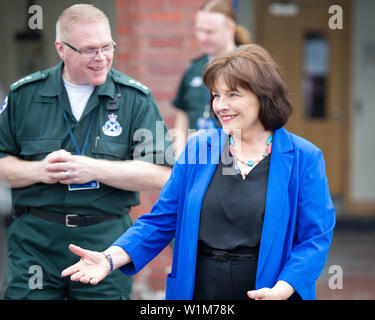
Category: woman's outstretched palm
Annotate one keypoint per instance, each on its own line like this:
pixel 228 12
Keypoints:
pixel 92 268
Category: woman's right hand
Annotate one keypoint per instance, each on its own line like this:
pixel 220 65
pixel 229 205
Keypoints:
pixel 91 268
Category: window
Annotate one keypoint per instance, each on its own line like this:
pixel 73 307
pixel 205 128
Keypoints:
pixel 315 68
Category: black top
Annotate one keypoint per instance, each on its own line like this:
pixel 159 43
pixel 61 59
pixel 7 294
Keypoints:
pixel 233 209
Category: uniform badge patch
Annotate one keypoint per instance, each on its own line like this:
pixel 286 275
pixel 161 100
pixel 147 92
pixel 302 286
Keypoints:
pixel 112 128
pixel 4 105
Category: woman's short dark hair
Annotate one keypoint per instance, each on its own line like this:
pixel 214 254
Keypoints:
pixel 251 67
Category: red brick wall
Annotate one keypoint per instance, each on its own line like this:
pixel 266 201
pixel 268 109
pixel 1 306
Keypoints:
pixel 155 44
pixel 155 41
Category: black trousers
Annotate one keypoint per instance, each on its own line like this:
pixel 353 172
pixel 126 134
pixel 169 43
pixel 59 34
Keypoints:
pixel 224 280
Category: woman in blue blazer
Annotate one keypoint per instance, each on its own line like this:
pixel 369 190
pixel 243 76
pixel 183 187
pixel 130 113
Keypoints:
pixel 249 202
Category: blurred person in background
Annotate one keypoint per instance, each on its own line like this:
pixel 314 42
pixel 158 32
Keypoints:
pixel 69 151
pixel 217 33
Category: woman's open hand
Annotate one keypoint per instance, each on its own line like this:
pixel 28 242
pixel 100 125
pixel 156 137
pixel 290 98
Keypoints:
pixel 92 268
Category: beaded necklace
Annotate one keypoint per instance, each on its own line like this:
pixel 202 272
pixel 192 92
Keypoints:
pixel 251 163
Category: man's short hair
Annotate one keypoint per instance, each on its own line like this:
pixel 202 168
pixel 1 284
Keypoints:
pixel 76 14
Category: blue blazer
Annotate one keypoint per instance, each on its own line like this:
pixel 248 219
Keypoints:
pixel 298 222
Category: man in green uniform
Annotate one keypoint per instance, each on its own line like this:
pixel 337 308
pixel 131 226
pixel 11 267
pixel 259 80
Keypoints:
pixel 77 142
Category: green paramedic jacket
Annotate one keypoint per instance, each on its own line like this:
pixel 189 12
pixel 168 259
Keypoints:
pixel 32 126
pixel 190 95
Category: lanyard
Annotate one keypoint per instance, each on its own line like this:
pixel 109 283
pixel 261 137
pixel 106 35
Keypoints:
pixel 82 152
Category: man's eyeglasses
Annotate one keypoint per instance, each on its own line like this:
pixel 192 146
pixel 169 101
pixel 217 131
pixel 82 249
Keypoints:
pixel 92 52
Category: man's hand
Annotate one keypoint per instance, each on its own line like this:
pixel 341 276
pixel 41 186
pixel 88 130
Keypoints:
pixel 47 175
pixel 23 173
pixel 67 168
pixel 131 175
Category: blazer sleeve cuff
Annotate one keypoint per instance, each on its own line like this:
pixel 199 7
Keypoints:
pixel 132 267
pixel 298 284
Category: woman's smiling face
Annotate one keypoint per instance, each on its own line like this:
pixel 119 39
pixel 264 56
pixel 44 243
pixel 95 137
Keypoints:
pixel 236 109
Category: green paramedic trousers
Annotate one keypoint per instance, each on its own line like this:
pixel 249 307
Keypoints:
pixel 38 252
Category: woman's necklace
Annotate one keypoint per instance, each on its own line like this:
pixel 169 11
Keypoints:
pixel 250 163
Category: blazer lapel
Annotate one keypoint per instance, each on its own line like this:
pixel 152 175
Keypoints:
pixel 278 180
pixel 208 150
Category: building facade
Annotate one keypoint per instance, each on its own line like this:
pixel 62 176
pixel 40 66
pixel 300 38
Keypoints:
pixel 325 49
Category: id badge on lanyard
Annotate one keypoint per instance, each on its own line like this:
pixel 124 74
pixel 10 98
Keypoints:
pixel 84 186
pixel 88 185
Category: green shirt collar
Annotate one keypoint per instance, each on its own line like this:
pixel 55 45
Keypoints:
pixel 55 86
